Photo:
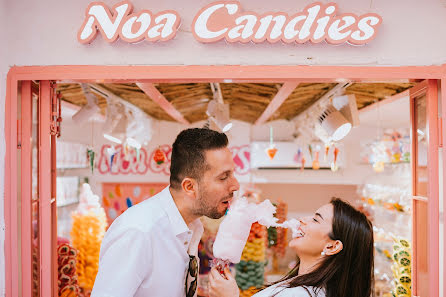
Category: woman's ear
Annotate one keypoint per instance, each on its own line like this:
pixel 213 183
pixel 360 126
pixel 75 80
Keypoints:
pixel 333 248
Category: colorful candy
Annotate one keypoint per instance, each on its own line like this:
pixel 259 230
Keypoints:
pixel 67 277
pixel 250 270
pixel 402 268
pixel 281 241
pixel 88 230
pixel 87 234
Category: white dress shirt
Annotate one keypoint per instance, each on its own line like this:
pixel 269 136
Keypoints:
pixel 145 252
pixel 288 292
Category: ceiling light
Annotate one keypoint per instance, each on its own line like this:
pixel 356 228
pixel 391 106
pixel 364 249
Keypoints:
pixel 348 108
pixel 124 120
pixel 218 111
pixel 116 131
pixel 334 123
pixel 88 110
pixel 219 114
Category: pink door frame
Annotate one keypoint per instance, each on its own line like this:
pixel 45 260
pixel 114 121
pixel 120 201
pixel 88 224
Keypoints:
pixel 429 88
pixel 442 139
pixel 166 74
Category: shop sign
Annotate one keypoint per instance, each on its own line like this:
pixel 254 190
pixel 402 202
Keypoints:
pixel 131 164
pixel 130 27
pixel 318 22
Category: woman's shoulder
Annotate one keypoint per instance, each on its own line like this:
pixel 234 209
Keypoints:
pixel 301 292
pixel 278 291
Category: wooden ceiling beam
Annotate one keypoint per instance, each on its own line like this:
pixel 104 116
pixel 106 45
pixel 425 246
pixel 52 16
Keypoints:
pixel 150 90
pixel 285 91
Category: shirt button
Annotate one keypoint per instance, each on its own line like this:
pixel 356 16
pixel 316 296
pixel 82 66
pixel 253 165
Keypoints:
pixel 185 243
pixel 189 232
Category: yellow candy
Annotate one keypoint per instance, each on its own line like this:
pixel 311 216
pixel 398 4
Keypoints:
pixel 87 234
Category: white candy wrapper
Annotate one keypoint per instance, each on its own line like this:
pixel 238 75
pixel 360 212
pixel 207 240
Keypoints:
pixel 234 230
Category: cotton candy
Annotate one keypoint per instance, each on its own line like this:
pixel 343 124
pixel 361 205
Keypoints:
pixel 234 230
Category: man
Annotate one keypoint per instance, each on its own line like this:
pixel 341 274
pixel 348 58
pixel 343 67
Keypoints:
pixel 151 249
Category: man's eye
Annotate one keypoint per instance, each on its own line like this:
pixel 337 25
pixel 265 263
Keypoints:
pixel 224 177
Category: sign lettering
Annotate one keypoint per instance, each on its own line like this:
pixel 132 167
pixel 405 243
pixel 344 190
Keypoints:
pixel 318 22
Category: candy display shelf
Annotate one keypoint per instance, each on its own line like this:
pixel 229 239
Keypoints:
pixel 389 208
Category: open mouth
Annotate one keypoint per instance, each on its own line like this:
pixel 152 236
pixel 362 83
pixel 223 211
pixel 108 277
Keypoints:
pixel 300 233
pixel 227 201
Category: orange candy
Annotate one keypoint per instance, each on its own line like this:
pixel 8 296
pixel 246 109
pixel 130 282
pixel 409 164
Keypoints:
pixel 271 152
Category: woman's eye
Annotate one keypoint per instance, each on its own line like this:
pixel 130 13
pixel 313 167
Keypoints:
pixel 315 220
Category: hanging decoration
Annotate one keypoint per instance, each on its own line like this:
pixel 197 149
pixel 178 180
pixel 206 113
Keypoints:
pixel 310 149
pixel 138 154
pixel 315 164
pixel 298 156
pixel 90 157
pixel 334 166
pixel 327 149
pixel 159 157
pixel 126 152
pixel 271 150
pixel 112 158
pixel 111 152
pixel 302 167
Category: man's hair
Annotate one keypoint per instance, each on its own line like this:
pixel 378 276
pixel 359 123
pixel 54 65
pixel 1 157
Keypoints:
pixel 189 153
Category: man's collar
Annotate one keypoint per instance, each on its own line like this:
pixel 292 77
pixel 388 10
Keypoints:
pixel 179 226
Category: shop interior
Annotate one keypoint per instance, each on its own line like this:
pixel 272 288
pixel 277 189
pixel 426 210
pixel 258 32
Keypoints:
pixel 297 144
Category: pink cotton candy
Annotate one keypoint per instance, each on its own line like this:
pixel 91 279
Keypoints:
pixel 234 230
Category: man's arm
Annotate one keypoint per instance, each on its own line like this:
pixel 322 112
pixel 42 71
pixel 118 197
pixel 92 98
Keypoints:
pixel 124 262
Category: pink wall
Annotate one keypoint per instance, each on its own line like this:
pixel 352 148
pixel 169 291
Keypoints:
pixel 406 36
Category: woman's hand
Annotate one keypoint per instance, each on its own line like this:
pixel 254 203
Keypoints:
pixel 222 286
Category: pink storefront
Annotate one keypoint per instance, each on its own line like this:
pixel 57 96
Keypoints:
pixel 274 67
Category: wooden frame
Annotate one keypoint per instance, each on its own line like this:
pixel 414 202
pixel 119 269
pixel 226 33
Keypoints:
pixel 442 138
pixel 26 166
pixel 420 205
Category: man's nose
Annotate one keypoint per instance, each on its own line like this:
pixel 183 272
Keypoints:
pixel 235 185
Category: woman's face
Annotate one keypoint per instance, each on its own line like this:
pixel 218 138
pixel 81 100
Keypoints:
pixel 315 229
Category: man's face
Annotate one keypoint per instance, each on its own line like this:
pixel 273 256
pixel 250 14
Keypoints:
pixel 217 185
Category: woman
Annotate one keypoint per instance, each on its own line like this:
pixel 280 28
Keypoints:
pixel 335 258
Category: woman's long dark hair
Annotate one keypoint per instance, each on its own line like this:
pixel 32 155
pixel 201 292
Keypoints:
pixel 350 272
